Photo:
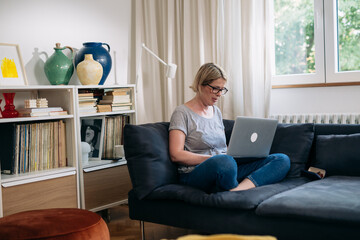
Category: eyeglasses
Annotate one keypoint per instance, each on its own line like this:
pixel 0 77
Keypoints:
pixel 217 90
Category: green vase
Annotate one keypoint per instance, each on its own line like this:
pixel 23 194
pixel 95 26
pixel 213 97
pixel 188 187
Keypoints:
pixel 58 67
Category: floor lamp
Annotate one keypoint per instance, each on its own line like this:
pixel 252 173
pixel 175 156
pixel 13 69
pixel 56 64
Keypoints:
pixel 170 67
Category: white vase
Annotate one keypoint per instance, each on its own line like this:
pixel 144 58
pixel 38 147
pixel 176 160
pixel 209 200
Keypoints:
pixel 89 71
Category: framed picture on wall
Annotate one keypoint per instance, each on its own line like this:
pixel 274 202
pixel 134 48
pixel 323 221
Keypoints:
pixel 92 132
pixel 12 71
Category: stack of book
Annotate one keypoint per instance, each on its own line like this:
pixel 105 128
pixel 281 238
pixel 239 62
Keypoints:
pixel 117 99
pixel 30 103
pixel 41 103
pixel 41 111
pixel 87 103
pixel 36 103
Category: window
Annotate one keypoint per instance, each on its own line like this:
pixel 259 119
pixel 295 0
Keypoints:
pixel 304 30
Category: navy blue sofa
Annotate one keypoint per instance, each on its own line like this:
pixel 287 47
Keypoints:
pixel 299 207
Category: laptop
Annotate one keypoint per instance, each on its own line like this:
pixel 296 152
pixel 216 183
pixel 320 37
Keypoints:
pixel 252 137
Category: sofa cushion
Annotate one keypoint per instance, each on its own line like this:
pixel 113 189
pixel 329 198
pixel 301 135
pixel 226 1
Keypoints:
pixel 338 154
pixel 331 199
pixel 147 154
pixel 249 199
pixel 294 140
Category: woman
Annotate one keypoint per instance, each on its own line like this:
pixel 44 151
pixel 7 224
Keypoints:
pixel 197 142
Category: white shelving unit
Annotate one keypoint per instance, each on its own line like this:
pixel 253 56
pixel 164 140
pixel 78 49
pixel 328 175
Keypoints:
pixel 95 186
pixel 57 187
pixel 103 183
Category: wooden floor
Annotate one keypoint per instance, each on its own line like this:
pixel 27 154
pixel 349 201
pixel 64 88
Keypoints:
pixel 122 227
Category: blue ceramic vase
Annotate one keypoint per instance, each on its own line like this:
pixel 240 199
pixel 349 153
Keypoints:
pixel 99 53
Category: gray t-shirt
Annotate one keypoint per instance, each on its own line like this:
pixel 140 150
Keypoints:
pixel 203 135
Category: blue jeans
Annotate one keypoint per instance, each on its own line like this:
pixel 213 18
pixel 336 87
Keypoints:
pixel 222 172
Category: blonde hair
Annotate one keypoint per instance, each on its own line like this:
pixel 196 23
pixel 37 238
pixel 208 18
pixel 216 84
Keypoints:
pixel 207 73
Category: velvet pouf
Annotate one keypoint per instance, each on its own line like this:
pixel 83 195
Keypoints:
pixel 54 224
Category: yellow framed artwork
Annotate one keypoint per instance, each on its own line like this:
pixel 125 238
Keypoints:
pixel 12 71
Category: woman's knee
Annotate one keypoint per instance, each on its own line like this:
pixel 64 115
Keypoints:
pixel 282 160
pixel 223 163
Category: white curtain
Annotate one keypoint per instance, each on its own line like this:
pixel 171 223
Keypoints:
pixel 231 33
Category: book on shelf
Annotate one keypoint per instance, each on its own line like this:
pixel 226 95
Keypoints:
pixel 119 91
pixel 113 134
pixel 38 110
pixel 87 110
pixel 57 113
pixel 97 93
pixel 8 147
pixel 120 108
pixel 32 147
pixel 104 108
pixel 86 94
pixel 33 114
pixel 117 99
pixel 87 103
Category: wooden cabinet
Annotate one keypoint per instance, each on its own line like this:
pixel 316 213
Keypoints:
pixel 106 187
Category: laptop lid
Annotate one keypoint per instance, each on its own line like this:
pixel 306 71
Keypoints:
pixel 252 137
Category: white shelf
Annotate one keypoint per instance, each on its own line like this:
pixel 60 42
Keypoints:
pixel 104 86
pixel 30 176
pixel 31 119
pixel 34 87
pixel 107 113
pixel 102 164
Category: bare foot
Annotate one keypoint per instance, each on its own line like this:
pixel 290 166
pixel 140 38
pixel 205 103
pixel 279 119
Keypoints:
pixel 244 185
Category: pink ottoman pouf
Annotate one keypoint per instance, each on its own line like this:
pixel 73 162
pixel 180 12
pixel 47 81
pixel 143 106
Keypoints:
pixel 59 224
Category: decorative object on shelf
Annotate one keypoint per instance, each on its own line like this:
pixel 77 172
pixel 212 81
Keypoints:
pixel 9 109
pixel 12 71
pixel 119 151
pixel 85 149
pixel 89 71
pixel 99 53
pixel 92 132
pixel 58 67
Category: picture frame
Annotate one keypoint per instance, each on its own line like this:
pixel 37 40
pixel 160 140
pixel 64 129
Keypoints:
pixel 12 71
pixel 92 132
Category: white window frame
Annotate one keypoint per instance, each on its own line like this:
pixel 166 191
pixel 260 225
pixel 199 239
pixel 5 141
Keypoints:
pixel 326 54
pixel 332 73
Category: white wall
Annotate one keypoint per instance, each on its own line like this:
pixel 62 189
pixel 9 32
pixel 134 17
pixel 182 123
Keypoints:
pixel 345 99
pixel 36 25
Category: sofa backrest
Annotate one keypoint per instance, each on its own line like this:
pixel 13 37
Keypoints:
pixel 336 149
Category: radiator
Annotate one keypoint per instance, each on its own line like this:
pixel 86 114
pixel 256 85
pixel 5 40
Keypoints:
pixel 334 118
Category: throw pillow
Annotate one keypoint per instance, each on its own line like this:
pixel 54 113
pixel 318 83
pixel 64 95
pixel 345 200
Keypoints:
pixel 294 140
pixel 147 153
pixel 338 154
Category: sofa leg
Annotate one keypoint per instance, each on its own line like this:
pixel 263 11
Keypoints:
pixel 142 229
